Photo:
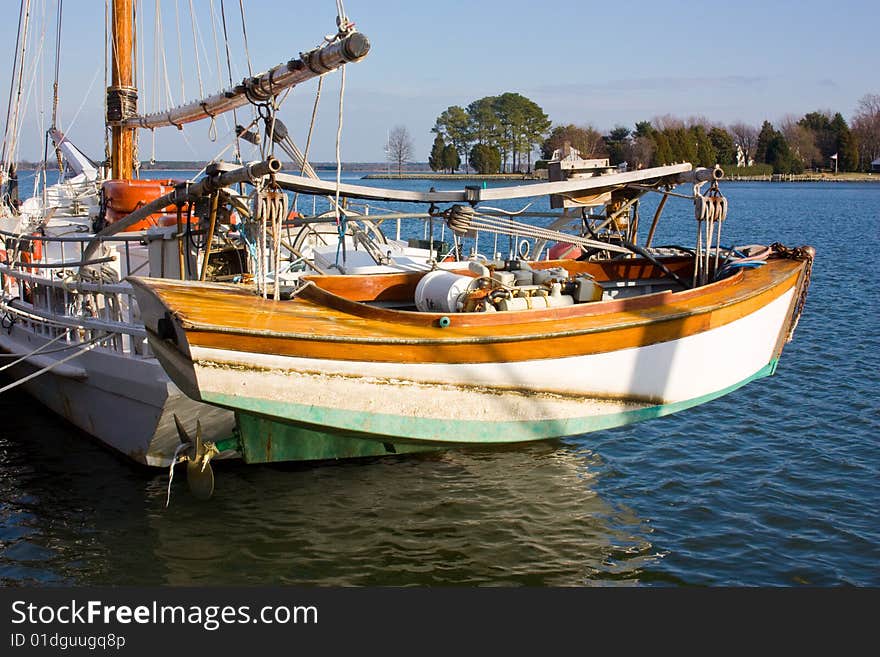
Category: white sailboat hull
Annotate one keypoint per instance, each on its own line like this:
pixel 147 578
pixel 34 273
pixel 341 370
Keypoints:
pixel 126 403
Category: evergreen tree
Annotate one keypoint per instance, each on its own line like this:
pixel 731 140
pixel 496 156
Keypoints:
pixel 454 125
pixel 780 156
pixel 706 155
pixel 846 147
pixel 683 145
pixel 723 144
pixel 485 127
pixel 662 152
pixel 451 158
pixel 485 159
pixel 436 160
pixel 819 123
pixel 617 142
pixel 767 133
pixel 523 126
pixel 644 129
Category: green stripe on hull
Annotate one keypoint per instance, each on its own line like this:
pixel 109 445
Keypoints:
pixel 267 441
pixel 354 433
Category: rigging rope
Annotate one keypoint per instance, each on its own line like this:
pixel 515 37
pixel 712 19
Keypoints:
pixel 309 136
pixel 159 56
pixel 12 136
pixel 340 218
pixel 15 63
pixel 192 20
pixel 57 68
pixel 247 51
pixel 464 221
pixel 38 350
pixel 91 344
pixel 106 84
pixel 179 51
pixel 229 70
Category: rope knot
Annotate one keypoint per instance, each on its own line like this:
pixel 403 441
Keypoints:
pixel 460 219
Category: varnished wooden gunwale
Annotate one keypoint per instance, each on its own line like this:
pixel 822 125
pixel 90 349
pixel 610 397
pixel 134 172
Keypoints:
pixel 238 321
pixel 402 285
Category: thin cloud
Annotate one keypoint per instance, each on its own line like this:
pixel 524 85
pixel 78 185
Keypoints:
pixel 669 84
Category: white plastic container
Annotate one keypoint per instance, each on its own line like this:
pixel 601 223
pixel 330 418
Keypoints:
pixel 439 291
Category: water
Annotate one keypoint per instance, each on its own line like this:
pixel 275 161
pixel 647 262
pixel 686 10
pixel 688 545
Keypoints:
pixel 775 484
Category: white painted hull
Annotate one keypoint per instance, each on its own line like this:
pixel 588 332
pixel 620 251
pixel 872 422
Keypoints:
pixel 488 402
pixel 126 403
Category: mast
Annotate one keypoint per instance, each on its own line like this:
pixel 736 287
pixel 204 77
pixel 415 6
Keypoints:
pixel 122 94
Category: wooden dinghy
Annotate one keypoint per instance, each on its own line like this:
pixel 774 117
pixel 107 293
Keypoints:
pixel 350 366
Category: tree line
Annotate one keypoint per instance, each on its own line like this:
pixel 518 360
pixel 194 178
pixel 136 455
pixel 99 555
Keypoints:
pixel 500 134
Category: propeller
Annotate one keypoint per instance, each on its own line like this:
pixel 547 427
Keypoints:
pixel 197 454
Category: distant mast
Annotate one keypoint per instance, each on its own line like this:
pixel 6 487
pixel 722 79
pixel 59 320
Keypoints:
pixel 122 94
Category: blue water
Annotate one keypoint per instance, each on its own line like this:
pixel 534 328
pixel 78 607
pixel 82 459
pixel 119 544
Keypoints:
pixel 775 484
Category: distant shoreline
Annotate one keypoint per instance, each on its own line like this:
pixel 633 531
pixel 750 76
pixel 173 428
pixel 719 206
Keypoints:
pixel 454 176
pixel 805 177
pixel 374 171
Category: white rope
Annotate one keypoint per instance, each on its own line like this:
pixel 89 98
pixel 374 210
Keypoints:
pixel 247 51
pixel 341 15
pixel 35 351
pixel 159 44
pixel 140 32
pixel 339 142
pixel 7 133
pixel 216 46
pixel 85 99
pixel 89 346
pixel 196 40
pixel 509 227
pixel 10 154
pixel 179 50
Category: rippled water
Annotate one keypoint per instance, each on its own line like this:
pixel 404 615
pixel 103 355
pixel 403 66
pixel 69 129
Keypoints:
pixel 774 484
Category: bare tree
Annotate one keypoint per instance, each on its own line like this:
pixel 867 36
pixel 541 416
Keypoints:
pixel 586 139
pixel 801 139
pixel 866 127
pixel 667 122
pixel 399 147
pixel 746 137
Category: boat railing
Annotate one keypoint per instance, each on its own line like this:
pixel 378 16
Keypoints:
pixel 431 231
pixel 51 289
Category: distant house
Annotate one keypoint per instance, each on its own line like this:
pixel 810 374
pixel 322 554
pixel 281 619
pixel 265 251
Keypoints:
pixel 875 165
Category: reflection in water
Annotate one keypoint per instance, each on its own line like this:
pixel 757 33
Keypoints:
pixel 74 514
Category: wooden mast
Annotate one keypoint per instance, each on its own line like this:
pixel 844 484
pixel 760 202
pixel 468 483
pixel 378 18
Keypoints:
pixel 122 95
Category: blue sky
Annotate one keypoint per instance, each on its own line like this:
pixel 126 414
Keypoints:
pixel 600 63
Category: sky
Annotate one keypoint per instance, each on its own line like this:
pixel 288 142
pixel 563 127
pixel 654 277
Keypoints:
pixel 590 63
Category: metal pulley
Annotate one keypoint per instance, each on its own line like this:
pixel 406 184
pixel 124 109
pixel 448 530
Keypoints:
pixel 269 205
pixel 710 208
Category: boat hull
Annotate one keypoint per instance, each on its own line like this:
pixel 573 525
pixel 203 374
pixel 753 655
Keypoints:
pixel 126 403
pixel 480 403
pixel 503 383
